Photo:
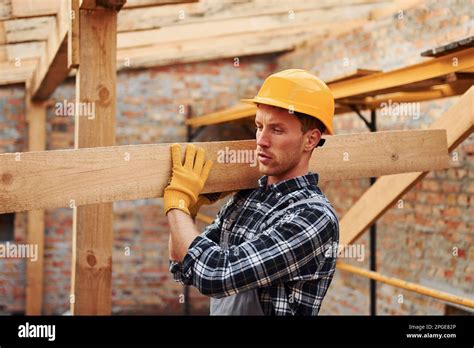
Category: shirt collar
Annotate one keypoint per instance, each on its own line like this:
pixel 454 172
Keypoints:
pixel 290 185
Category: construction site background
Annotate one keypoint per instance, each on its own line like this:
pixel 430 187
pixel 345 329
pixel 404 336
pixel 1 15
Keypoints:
pixel 415 241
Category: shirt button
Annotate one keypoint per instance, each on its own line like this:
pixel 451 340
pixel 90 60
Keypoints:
pixel 278 194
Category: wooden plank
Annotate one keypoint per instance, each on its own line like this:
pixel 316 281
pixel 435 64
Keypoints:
pixel 33 8
pixel 27 30
pixel 52 68
pixel 237 112
pixel 114 5
pixel 23 50
pixel 73 35
pixel 435 92
pixel 458 122
pixel 316 20
pixel 11 72
pixel 89 176
pixel 432 68
pixel 351 75
pixel 36 117
pixel 149 3
pixel 402 284
pixel 91 280
pixel 134 18
pixel 228 46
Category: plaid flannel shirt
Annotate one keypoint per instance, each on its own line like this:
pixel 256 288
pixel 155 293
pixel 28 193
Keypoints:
pixel 278 239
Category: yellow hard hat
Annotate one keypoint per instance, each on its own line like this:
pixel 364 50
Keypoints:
pixel 298 90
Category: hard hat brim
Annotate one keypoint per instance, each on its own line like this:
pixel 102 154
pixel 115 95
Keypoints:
pixel 284 105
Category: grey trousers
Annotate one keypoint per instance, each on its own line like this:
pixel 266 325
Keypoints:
pixel 243 303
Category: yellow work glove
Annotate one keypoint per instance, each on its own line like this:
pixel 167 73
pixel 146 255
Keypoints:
pixel 187 181
pixel 207 199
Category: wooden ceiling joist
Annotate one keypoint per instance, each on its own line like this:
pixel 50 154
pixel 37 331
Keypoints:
pixel 157 32
pixel 458 122
pixel 52 68
pixel 95 175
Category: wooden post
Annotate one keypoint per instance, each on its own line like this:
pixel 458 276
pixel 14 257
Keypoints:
pixel 92 224
pixel 36 118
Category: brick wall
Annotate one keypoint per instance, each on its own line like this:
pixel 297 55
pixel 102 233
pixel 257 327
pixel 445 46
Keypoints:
pixel 416 241
pixel 13 134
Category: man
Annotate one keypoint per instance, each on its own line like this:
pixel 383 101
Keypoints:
pixel 266 253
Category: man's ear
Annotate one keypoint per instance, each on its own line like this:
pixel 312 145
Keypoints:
pixel 312 139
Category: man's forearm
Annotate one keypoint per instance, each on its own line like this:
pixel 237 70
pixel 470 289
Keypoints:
pixel 183 232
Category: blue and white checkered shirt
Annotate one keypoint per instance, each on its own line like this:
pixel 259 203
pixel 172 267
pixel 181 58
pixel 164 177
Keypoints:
pixel 274 239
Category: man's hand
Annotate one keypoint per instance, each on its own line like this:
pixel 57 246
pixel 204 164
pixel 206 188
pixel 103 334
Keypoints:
pixel 187 181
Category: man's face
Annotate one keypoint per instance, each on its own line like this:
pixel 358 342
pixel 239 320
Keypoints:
pixel 280 142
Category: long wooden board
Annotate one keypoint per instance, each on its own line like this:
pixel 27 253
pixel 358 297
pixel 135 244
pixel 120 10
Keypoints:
pixel 50 179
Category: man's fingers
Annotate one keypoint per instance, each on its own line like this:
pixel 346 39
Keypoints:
pixel 206 170
pixel 176 155
pixel 198 163
pixel 190 154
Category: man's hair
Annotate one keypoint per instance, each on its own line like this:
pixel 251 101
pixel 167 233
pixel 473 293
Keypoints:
pixel 309 122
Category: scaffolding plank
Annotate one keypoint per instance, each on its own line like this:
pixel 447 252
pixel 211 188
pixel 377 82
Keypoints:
pixel 458 122
pixel 95 175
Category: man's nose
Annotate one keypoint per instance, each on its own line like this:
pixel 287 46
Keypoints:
pixel 263 138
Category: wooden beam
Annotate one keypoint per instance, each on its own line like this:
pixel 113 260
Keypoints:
pixel 114 5
pixel 149 3
pixel 133 18
pixel 435 92
pixel 33 8
pixel 73 35
pixel 27 30
pixel 96 175
pixel 36 117
pixel 458 122
pixel 228 46
pixel 53 64
pixel 314 21
pixel 402 284
pixel 13 72
pixel 429 69
pixel 91 280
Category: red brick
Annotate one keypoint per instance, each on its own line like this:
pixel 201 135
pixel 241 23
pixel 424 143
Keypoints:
pixel 451 186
